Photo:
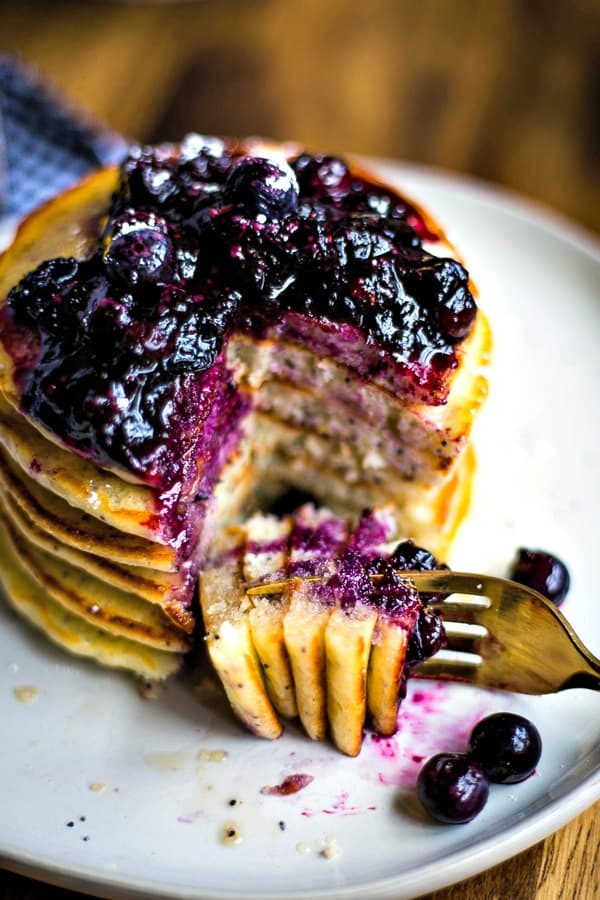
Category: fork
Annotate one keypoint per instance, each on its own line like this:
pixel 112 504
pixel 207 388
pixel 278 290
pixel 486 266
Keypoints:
pixel 501 634
pixel 517 640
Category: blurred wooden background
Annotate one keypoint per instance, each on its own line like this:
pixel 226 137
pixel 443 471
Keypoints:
pixel 506 90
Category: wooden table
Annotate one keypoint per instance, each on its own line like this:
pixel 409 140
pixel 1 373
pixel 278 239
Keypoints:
pixel 507 91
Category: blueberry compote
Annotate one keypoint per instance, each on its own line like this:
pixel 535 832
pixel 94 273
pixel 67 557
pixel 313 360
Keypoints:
pixel 428 635
pixel 121 354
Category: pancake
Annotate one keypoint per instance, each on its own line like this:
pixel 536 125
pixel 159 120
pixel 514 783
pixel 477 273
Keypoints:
pixel 298 332
pixel 225 611
pixel 76 528
pixel 349 636
pixel 431 515
pixel 317 539
pixel 145 583
pixel 73 633
pixel 128 508
pixel 340 645
pixel 109 608
pixel 266 554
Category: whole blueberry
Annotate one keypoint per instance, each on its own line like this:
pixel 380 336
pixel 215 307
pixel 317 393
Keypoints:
pixel 262 186
pixel 456 312
pixel 443 286
pixel 138 249
pixel 507 746
pixel 322 177
pixel 452 788
pixel 148 179
pixel 408 555
pixel 427 637
pixel 543 572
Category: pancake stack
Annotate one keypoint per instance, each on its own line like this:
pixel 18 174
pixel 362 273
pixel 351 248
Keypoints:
pixel 103 552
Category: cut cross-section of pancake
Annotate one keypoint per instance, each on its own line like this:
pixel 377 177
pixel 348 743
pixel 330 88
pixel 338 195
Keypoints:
pixel 185 338
pixel 266 558
pixel 349 632
pixel 226 613
pixel 346 636
pixel 317 539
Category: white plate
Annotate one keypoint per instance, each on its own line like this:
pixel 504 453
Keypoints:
pixel 155 827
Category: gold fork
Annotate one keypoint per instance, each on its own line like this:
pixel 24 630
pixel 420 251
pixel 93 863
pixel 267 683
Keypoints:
pixel 500 634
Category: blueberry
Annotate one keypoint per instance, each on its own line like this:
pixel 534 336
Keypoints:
pixel 427 637
pixel 408 555
pixel 108 317
pixel 195 146
pixel 262 186
pixel 323 177
pixel 543 572
pixel 507 747
pixel 452 788
pixel 138 249
pixel 148 179
pixel 49 297
pixel 391 593
pixel 364 237
pixel 443 285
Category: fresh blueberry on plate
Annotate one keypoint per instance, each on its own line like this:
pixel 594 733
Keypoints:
pixel 543 572
pixel 452 787
pixel 507 747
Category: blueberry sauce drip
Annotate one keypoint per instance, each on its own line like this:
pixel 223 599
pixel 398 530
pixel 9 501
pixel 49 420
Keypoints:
pixel 121 354
pixel 391 594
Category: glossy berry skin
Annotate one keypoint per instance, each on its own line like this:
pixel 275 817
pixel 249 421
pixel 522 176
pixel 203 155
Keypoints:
pixel 428 635
pixel 446 280
pixel 138 250
pixel 323 176
pixel 262 186
pixel 507 746
pixel 452 788
pixel 543 572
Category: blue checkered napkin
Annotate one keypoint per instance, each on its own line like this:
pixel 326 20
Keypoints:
pixel 45 146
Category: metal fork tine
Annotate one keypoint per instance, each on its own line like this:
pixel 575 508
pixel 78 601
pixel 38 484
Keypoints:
pixel 465 637
pixel 455 614
pixel 450 665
